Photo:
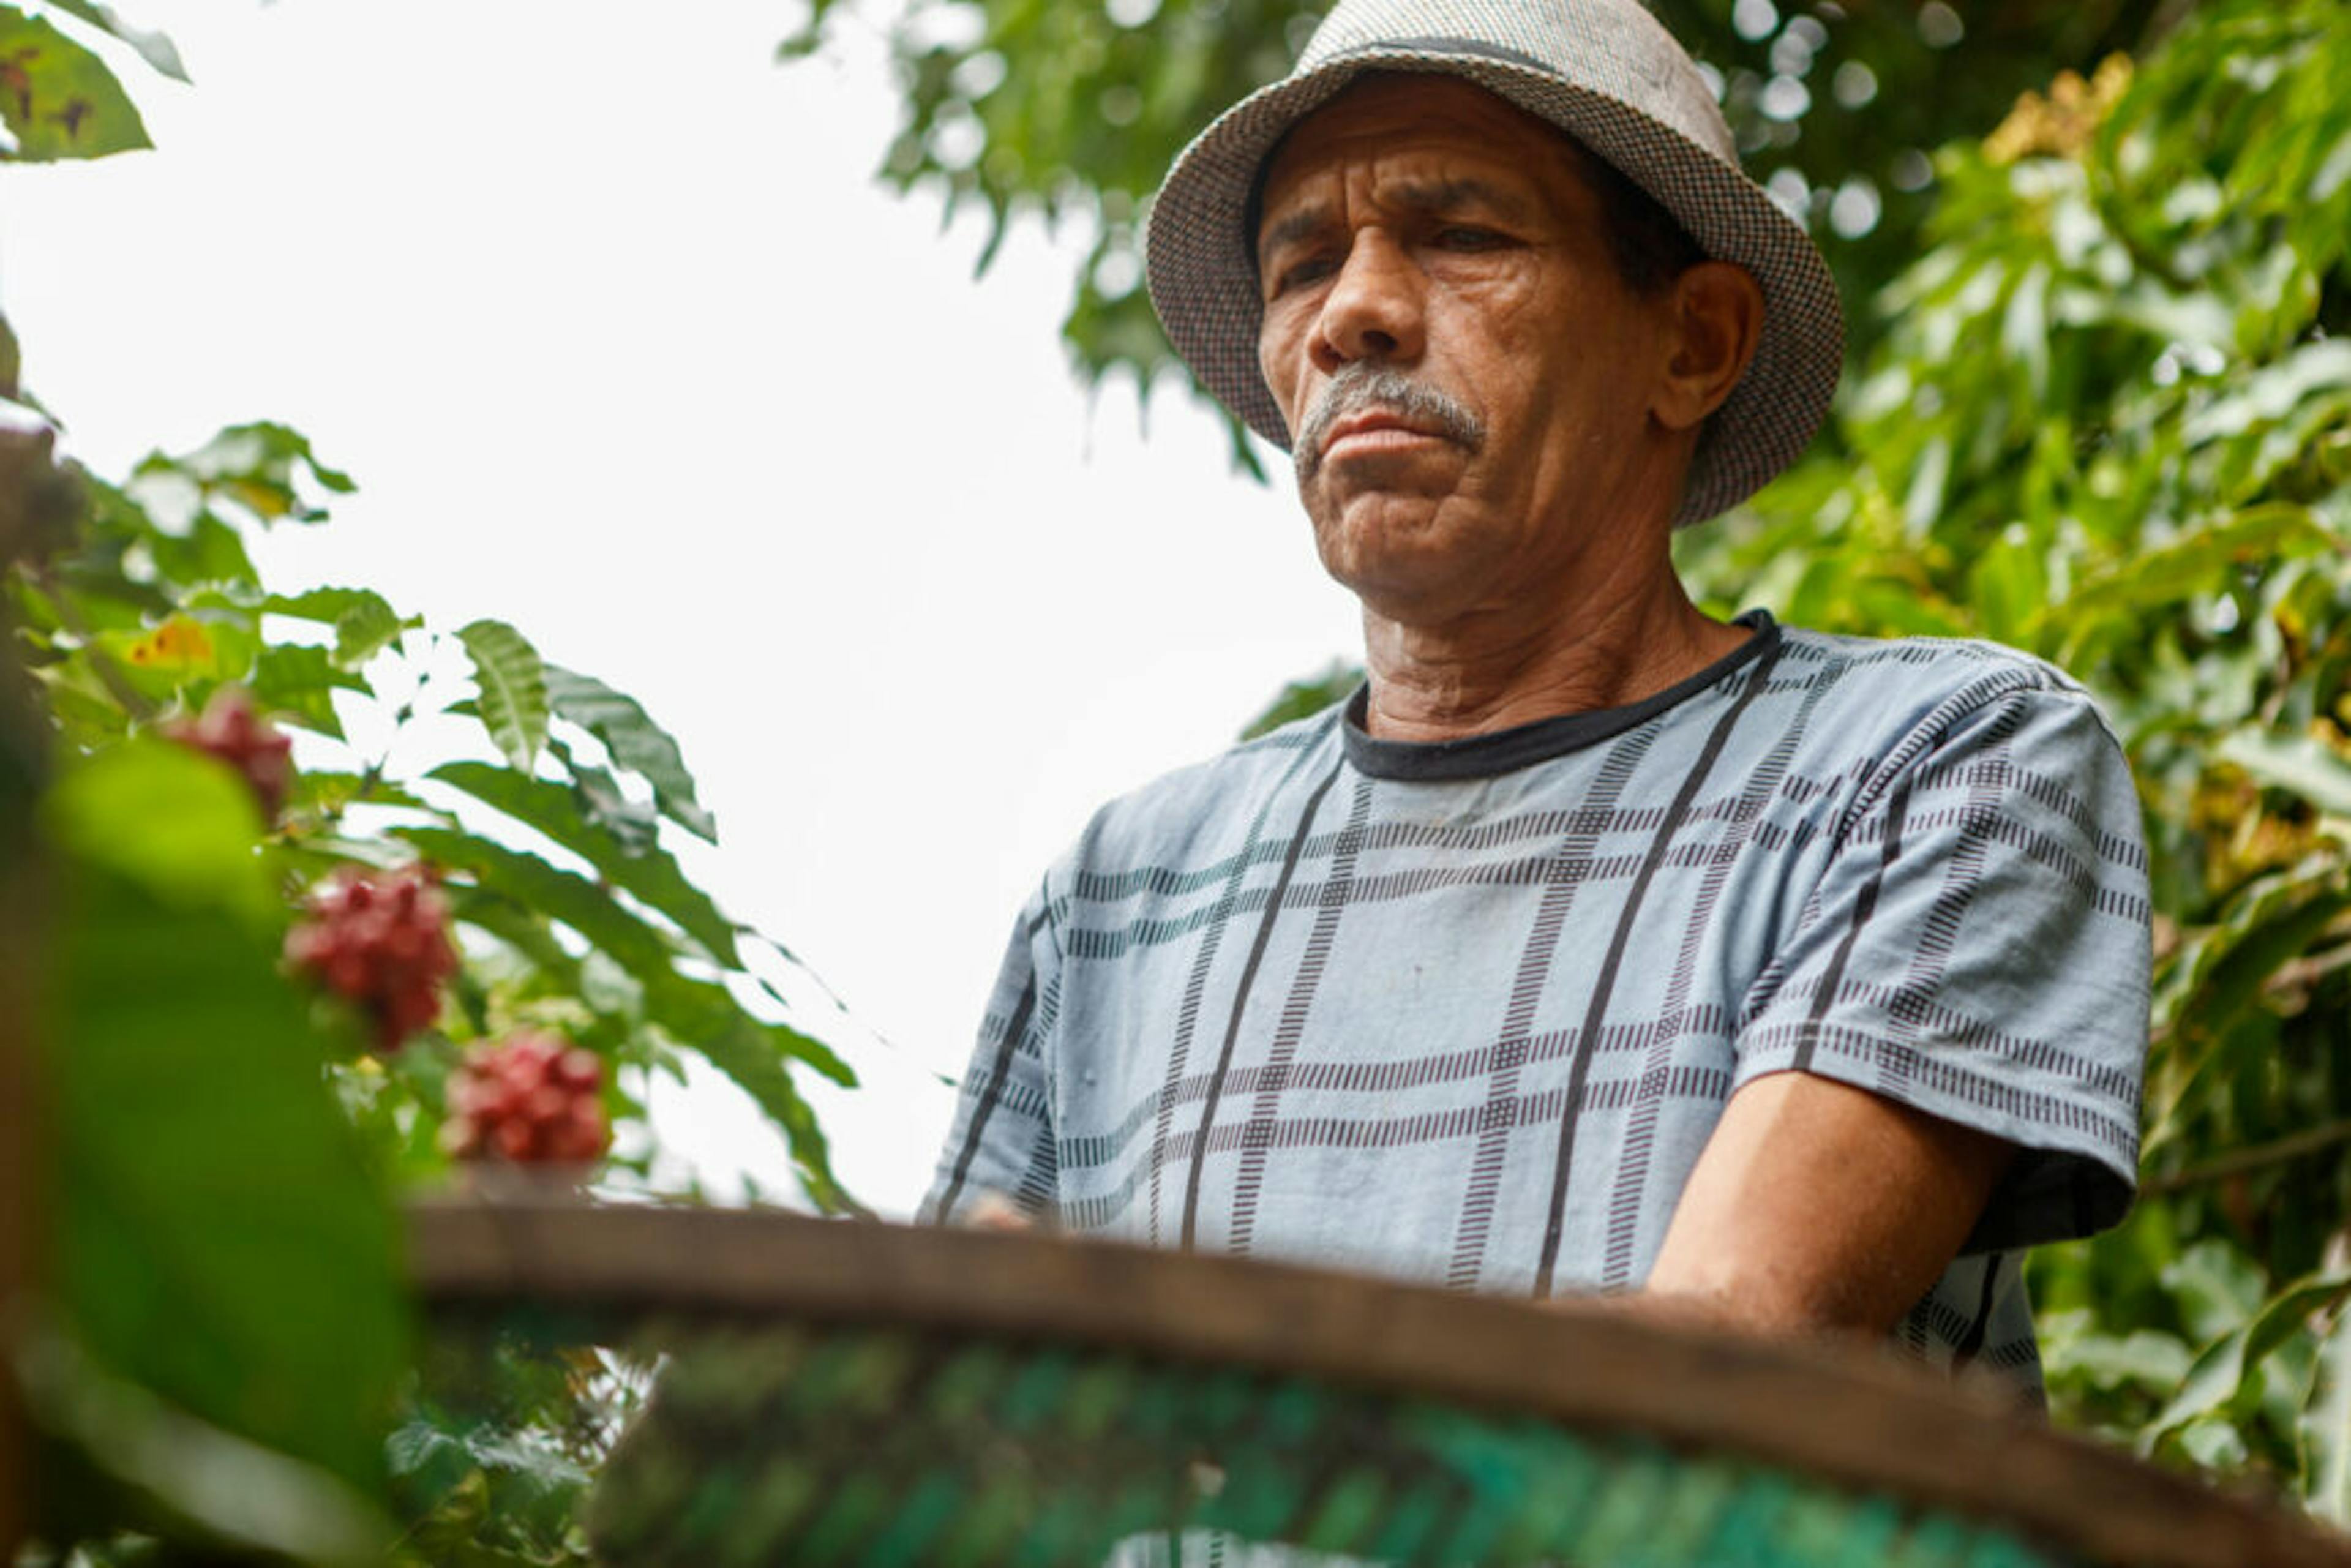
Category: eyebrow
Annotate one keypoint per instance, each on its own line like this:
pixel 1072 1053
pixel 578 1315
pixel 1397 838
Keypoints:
pixel 1427 198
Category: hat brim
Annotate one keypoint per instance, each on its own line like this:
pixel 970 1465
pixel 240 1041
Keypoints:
pixel 1203 283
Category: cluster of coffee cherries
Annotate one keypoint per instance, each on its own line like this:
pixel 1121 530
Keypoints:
pixel 381 939
pixel 233 729
pixel 531 1098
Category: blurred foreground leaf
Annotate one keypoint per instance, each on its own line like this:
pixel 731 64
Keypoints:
pixel 218 1237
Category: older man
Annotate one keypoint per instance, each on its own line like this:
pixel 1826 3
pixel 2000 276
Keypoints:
pixel 1595 944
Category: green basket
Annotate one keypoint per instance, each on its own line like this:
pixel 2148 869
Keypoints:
pixel 865 1396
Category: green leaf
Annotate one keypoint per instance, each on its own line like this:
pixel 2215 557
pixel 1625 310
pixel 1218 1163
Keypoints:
pixel 2220 971
pixel 534 1477
pixel 365 629
pixel 2225 1371
pixel 328 790
pixel 217 1236
pixel 1924 501
pixel 2272 392
pixel 58 99
pixel 321 606
pixel 2025 330
pixel 2149 1360
pixel 2009 585
pixel 698 1014
pixel 207 1483
pixel 2213 1380
pixel 296 683
pixel 513 685
pixel 636 743
pixel 1302 698
pixel 637 825
pixel 210 552
pixel 2193 563
pixel 2324 1429
pixel 179 823
pixel 154 47
pixel 2218 1287
pixel 2301 763
pixel 649 874
pixel 520 928
pixel 259 467
pixel 535 886
pixel 2290 1311
pixel 364 622
pixel 747 1054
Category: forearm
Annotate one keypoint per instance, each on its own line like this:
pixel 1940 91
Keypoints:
pixel 1817 1207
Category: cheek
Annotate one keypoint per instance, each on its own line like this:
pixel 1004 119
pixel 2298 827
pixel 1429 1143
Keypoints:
pixel 1533 359
pixel 1509 328
pixel 1279 356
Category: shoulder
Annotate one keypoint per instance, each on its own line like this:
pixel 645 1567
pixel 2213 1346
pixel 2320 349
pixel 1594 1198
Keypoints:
pixel 1934 669
pixel 1919 692
pixel 1970 719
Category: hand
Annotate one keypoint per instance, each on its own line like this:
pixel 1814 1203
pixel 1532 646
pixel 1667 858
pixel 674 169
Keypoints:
pixel 993 1211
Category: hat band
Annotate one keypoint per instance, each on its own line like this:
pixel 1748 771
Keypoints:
pixel 1440 45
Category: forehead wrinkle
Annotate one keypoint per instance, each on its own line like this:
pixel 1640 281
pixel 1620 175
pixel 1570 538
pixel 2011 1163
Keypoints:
pixel 1441 198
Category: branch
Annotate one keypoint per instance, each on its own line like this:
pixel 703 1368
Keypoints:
pixel 2259 1156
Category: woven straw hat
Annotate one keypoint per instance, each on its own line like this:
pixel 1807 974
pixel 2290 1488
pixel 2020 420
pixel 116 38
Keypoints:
pixel 1606 72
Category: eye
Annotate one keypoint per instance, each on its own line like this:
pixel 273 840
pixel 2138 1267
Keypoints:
pixel 1299 273
pixel 1469 238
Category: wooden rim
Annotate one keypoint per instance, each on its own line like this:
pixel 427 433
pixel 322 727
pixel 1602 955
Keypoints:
pixel 1860 1422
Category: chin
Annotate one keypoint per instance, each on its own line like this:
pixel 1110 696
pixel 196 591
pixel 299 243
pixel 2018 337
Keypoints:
pixel 1424 560
pixel 1400 578
pixel 1360 529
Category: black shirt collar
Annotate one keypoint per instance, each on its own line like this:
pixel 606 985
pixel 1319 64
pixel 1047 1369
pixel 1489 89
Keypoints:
pixel 1507 750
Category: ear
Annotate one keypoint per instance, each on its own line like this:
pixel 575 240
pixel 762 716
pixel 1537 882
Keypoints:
pixel 1717 311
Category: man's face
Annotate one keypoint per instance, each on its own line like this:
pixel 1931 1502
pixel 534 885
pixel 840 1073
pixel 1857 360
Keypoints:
pixel 1466 377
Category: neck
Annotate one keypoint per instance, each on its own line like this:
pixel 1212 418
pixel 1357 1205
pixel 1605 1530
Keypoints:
pixel 1609 643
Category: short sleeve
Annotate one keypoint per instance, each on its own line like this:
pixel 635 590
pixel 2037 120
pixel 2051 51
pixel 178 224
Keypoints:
pixel 1001 1141
pixel 1978 949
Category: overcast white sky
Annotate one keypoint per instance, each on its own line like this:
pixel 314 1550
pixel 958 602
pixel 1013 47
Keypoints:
pixel 606 315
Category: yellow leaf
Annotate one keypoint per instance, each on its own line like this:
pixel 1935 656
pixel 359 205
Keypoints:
pixel 179 645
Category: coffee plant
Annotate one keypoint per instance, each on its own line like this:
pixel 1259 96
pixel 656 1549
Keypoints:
pixel 289 977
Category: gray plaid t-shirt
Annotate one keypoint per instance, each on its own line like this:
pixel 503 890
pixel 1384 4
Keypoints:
pixel 1467 1012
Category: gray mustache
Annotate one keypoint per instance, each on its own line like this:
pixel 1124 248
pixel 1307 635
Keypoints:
pixel 1364 386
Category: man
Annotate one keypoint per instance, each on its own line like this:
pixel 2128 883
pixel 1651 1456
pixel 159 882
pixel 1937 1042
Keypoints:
pixel 1594 945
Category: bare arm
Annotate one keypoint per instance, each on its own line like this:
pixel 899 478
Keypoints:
pixel 1815 1208
pixel 1820 1207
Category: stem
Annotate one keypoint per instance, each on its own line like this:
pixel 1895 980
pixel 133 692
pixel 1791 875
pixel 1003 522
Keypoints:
pixel 2259 1156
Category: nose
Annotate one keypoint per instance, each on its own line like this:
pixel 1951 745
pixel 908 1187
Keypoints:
pixel 1374 309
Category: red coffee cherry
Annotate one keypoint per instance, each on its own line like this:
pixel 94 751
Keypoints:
pixel 530 1099
pixel 380 939
pixel 233 729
